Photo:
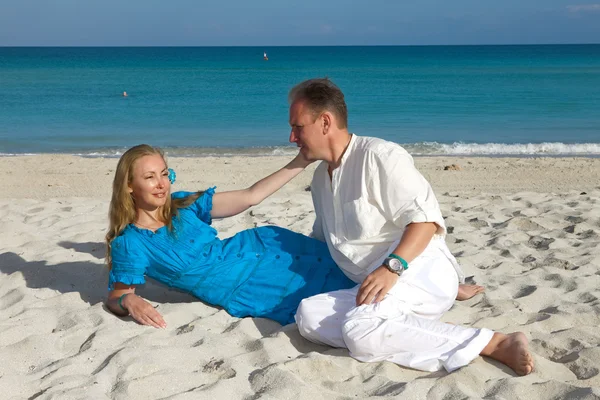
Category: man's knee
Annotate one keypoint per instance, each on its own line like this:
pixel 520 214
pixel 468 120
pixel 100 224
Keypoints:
pixel 358 336
pixel 307 318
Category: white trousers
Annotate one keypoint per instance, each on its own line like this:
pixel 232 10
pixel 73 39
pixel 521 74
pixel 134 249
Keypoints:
pixel 403 328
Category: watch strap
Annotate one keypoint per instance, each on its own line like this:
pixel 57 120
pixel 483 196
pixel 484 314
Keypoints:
pixel 402 260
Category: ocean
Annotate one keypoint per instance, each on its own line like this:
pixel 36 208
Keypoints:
pixel 433 100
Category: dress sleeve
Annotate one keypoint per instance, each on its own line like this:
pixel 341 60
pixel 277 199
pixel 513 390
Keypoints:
pixel 202 206
pixel 128 263
pixel 399 189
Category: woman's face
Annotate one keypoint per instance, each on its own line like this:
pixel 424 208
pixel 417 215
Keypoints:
pixel 150 186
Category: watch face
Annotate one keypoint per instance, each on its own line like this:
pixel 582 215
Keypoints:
pixel 394 264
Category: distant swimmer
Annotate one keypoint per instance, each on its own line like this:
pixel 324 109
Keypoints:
pixel 265 57
pixel 124 94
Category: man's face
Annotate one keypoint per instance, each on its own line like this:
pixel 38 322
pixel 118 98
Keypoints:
pixel 306 132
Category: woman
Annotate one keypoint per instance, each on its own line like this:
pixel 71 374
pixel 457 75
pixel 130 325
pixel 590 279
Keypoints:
pixel 260 272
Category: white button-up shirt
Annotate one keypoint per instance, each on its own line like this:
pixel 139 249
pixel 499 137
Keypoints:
pixel 362 211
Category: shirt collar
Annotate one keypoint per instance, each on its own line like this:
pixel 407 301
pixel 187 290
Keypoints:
pixel 348 149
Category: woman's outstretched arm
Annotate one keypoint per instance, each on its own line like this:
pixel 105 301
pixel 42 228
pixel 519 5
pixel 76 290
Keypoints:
pixel 226 204
pixel 132 304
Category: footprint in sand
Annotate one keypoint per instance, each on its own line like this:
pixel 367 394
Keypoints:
pixel 583 369
pixel 525 291
pixel 586 297
pixel 540 243
pixel 574 220
pixel 560 264
pixel 550 310
pixel 538 317
pixel 253 345
pixel 184 329
pixel 590 233
pixel 219 367
pixel 477 223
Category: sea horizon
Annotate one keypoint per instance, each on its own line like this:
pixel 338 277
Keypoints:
pixel 307 45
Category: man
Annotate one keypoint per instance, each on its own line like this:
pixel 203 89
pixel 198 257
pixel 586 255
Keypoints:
pixel 383 226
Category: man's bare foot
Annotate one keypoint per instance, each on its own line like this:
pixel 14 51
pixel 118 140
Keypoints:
pixel 511 350
pixel 465 292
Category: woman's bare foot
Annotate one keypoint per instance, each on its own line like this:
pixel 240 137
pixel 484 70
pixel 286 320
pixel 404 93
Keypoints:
pixel 511 350
pixel 465 292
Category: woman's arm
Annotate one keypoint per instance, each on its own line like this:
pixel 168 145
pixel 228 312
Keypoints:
pixel 226 204
pixel 133 305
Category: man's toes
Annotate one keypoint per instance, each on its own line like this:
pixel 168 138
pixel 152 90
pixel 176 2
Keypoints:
pixel 526 364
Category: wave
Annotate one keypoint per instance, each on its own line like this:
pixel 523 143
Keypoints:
pixel 416 149
pixel 504 149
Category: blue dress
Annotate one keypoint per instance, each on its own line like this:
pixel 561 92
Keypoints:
pixel 260 272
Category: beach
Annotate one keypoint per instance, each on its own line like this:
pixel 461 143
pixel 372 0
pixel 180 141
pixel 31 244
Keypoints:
pixel 528 229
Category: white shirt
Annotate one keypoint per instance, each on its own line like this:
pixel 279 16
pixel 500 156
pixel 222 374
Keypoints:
pixel 362 211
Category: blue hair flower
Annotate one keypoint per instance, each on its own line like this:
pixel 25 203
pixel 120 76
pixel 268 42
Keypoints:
pixel 172 176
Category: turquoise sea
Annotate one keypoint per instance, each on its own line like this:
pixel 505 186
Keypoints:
pixel 487 100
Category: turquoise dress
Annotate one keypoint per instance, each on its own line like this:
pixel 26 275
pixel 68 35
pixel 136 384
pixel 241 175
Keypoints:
pixel 261 272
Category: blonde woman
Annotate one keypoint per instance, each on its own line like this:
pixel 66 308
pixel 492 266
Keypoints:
pixel 260 272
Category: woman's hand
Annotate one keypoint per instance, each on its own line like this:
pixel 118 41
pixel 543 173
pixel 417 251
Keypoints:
pixel 301 161
pixel 142 311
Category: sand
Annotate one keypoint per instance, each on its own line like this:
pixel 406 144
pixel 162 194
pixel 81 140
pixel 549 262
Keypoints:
pixel 526 228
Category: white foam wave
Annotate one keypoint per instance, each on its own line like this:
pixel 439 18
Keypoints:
pixel 504 149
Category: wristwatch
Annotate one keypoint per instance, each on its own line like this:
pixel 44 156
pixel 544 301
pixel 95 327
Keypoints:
pixel 394 265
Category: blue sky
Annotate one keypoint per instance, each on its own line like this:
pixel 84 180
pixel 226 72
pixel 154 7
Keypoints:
pixel 307 22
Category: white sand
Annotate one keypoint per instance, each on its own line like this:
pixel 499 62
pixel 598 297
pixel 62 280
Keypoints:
pixel 527 229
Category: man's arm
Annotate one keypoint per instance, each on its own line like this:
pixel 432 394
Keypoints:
pixel 377 284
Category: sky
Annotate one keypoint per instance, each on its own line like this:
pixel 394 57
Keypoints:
pixel 298 23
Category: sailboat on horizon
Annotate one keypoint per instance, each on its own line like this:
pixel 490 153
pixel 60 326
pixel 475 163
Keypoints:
pixel 265 57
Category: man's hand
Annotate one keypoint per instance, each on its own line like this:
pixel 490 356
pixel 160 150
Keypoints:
pixel 143 312
pixel 375 286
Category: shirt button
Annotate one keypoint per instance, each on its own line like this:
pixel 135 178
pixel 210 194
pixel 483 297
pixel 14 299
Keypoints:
pixel 192 241
pixel 204 254
pixel 220 258
pixel 239 255
pixel 319 259
pixel 297 257
pixel 278 256
pixel 257 255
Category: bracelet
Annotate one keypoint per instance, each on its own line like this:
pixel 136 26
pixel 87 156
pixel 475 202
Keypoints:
pixel 402 260
pixel 120 302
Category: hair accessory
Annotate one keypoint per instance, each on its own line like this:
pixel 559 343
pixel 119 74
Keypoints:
pixel 172 176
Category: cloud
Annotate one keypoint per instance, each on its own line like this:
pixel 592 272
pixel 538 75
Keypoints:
pixel 584 8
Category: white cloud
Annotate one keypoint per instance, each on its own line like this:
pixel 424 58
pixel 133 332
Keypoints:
pixel 584 8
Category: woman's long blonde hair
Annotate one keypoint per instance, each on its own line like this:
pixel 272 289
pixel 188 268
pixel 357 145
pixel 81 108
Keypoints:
pixel 122 210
